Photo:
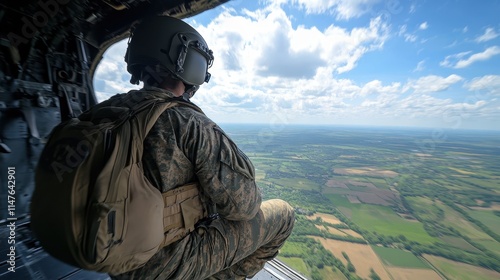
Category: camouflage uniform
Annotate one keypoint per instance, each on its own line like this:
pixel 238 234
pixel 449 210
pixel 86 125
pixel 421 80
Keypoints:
pixel 186 146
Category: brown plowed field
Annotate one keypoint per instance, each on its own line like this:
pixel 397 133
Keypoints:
pixel 367 171
pixel 401 273
pixel 352 233
pixel 331 219
pixel 332 230
pixel 362 256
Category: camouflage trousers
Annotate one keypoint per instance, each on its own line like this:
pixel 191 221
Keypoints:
pixel 223 249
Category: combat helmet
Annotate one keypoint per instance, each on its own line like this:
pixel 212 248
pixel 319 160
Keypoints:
pixel 171 44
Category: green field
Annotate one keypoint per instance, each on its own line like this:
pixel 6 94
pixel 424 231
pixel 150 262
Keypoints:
pixel 298 264
pixel 400 258
pixel 294 248
pixel 296 183
pixel 382 220
pixel 456 220
pixel 490 245
pixel 426 208
pixel 405 192
pixel 460 243
pixel 461 271
pixel 328 273
pixel 488 218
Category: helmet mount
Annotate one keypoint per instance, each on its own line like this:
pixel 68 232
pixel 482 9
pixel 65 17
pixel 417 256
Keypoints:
pixel 187 43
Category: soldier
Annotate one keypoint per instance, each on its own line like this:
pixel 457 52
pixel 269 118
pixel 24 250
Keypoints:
pixel 185 146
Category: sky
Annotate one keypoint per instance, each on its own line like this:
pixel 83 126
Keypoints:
pixel 344 62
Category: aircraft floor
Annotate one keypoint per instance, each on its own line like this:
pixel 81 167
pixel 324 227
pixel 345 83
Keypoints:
pixel 32 262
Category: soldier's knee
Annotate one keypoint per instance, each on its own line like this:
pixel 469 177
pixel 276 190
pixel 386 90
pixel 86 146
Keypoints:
pixel 279 204
pixel 284 209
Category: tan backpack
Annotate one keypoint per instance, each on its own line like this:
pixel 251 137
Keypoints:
pixel 92 206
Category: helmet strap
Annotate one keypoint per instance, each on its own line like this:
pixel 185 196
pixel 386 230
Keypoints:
pixel 190 91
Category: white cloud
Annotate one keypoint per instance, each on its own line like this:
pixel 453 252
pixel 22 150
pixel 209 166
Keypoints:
pixel 413 8
pixel 420 66
pixel 487 54
pixel 271 47
pixel 275 67
pixel 432 83
pixel 376 87
pixel 448 61
pixel 111 76
pixel 488 82
pixel 408 37
pixel 458 60
pixel 343 9
pixel 402 30
pixel 268 69
pixel 489 34
pixel 433 111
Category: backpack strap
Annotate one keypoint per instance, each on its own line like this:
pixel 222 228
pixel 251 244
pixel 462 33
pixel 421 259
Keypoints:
pixel 183 206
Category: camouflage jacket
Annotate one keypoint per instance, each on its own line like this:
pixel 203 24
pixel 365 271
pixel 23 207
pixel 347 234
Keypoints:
pixel 186 146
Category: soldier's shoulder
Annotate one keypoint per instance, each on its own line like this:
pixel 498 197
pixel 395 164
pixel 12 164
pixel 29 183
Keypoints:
pixel 185 119
pixel 193 113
